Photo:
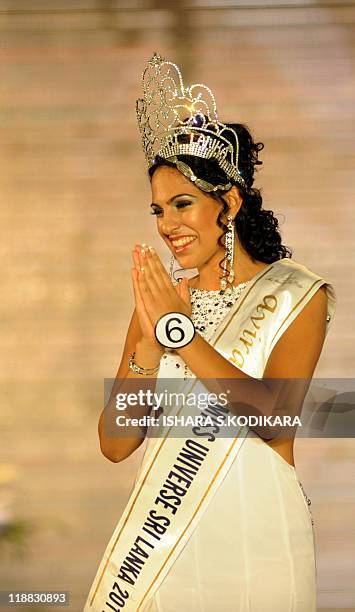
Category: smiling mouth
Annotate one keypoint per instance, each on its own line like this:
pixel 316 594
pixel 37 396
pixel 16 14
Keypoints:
pixel 182 244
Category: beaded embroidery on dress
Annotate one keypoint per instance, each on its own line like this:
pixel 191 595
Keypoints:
pixel 209 308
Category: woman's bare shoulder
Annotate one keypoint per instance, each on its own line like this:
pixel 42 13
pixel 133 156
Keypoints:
pixel 296 353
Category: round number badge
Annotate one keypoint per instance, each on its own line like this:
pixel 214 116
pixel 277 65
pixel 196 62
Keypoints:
pixel 174 330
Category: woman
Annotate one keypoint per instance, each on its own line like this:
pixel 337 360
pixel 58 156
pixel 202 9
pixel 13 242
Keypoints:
pixel 213 523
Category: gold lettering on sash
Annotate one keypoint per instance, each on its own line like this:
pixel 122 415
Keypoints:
pixel 268 305
pixel 245 341
pixel 254 319
pixel 233 359
pixel 270 308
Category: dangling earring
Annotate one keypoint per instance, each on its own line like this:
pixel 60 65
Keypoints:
pixel 172 262
pixel 229 255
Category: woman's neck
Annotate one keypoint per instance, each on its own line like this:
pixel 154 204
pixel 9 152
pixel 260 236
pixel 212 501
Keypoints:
pixel 245 268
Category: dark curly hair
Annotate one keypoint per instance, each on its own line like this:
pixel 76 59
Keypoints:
pixel 257 229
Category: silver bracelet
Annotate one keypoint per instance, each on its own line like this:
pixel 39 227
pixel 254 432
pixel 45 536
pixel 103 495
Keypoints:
pixel 139 370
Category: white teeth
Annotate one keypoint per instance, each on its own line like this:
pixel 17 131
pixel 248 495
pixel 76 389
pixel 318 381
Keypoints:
pixel 183 241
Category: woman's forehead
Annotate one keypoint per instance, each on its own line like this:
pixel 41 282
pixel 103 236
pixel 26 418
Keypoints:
pixel 168 182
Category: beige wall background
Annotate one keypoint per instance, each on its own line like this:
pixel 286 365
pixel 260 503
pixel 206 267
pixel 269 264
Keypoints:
pixel 74 201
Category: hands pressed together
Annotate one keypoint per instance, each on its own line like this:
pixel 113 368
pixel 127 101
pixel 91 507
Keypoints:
pixel 154 293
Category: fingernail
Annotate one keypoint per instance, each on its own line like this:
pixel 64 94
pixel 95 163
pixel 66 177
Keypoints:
pixel 151 249
pixel 143 252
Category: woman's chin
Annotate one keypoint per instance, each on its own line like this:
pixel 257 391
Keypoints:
pixel 185 261
pixel 188 258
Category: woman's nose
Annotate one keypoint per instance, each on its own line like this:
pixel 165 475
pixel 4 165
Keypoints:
pixel 169 222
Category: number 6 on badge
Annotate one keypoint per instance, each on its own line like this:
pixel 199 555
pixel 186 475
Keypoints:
pixel 174 330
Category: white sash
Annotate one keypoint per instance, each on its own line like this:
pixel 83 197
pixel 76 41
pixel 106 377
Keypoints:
pixel 154 529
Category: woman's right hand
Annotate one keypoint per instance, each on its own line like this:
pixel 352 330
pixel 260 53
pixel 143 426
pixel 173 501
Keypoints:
pixel 147 328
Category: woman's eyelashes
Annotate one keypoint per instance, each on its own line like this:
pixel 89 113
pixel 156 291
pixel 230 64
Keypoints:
pixel 155 211
pixel 181 204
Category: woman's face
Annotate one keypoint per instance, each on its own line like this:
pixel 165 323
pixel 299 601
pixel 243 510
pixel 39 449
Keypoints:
pixel 186 218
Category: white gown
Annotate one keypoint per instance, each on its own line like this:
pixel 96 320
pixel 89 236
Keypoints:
pixel 253 549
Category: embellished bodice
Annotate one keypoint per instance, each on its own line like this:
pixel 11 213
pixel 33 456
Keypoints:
pixel 209 308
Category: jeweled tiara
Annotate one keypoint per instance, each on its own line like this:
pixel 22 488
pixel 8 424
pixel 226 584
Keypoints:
pixel 169 110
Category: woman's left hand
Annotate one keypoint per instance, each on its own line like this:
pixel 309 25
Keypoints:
pixel 157 291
